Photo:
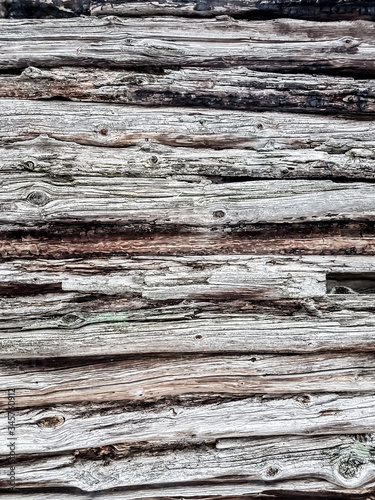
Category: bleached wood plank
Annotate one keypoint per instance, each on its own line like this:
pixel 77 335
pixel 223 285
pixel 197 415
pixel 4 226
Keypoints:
pixel 262 45
pixel 337 10
pixel 151 159
pixel 179 278
pixel 31 200
pixel 237 88
pixel 341 461
pixel 152 378
pixel 118 126
pixel 179 329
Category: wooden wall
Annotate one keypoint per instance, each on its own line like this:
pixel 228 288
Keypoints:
pixel 187 239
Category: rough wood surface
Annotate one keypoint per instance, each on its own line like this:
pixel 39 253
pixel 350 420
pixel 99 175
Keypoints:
pixel 149 349
pixel 280 45
pixel 344 461
pixel 140 379
pixel 340 159
pixel 157 318
pixel 60 428
pixel 31 201
pixel 237 88
pixel 118 126
pixel 316 10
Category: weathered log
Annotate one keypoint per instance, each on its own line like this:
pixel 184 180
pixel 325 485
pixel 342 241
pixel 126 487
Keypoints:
pixel 49 382
pixel 61 428
pixel 263 239
pixel 238 88
pixel 317 10
pixel 32 200
pixel 343 461
pixel 301 489
pixel 344 47
pixel 119 126
pixel 115 125
pixel 192 277
pixel 99 330
pixel 341 159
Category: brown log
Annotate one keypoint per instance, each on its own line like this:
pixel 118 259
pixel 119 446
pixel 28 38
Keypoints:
pixel 237 88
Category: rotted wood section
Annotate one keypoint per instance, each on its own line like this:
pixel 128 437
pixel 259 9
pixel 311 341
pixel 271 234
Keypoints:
pixel 187 239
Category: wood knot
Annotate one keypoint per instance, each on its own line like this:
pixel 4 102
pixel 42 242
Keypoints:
pixel 348 467
pixel 71 319
pixel 29 165
pixel 218 214
pixel 32 73
pixel 272 471
pixel 51 422
pixel 304 399
pixel 38 198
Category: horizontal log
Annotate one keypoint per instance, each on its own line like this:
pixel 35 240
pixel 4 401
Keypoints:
pixel 61 428
pixel 33 200
pixel 45 383
pixel 237 88
pixel 321 10
pixel 340 159
pixel 260 464
pixel 303 489
pixel 292 239
pixel 189 277
pixel 30 329
pixel 280 45
pixel 115 126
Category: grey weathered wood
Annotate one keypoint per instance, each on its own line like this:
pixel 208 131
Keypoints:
pixel 344 461
pixel 237 88
pixel 237 333
pixel 58 158
pixel 61 428
pixel 316 10
pixel 152 378
pixel 155 42
pixel 188 277
pixel 32 200
pixel 181 329
pixel 116 125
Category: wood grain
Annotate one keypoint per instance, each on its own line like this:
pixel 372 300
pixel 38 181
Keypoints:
pixel 261 464
pixel 193 328
pixel 343 158
pixel 44 382
pixel 109 125
pixel 32 200
pixel 237 88
pixel 316 10
pixel 281 45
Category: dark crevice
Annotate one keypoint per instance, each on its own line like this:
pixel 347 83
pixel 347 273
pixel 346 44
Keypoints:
pixel 227 179
pixel 55 98
pixel 351 283
pixel 26 289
